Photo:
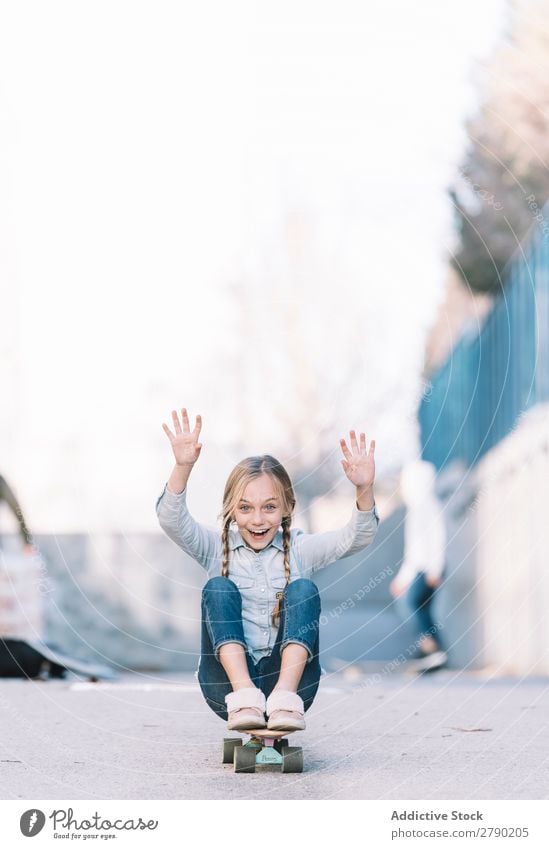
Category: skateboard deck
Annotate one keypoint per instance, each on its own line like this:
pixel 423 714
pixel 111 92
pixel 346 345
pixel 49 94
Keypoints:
pixel 265 732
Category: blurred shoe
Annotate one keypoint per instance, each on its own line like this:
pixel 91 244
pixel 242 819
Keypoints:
pixel 431 661
pixel 417 654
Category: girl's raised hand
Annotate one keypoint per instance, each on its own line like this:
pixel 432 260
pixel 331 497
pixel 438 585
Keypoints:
pixel 359 464
pixel 185 445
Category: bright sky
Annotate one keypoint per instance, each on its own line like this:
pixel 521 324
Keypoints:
pixel 153 155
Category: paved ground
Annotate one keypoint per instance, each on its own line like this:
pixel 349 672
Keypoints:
pixel 369 736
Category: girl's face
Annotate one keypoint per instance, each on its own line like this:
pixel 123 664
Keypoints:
pixel 258 514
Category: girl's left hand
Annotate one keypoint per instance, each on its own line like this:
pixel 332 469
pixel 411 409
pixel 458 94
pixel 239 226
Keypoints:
pixel 359 464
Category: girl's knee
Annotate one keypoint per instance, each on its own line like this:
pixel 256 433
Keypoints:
pixel 303 592
pixel 301 588
pixel 218 584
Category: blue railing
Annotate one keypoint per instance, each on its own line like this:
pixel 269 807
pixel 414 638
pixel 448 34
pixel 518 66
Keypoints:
pixel 495 374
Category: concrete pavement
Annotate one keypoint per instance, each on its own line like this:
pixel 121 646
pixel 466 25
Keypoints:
pixel 371 734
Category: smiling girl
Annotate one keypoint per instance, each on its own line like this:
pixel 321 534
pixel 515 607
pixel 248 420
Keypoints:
pixel 259 663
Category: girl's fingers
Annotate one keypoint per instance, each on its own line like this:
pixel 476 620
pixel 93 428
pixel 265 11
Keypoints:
pixel 176 424
pixel 363 443
pixel 372 446
pixel 198 426
pixel 354 443
pixel 168 431
pixel 345 450
pixel 185 420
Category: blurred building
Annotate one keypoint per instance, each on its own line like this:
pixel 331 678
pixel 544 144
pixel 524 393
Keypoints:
pixel 485 425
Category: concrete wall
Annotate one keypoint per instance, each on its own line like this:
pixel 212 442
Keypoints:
pixel 512 513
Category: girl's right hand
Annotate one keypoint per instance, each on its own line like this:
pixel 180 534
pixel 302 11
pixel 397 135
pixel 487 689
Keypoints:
pixel 185 445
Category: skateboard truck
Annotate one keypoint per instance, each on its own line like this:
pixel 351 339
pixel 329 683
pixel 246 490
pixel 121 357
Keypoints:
pixel 264 748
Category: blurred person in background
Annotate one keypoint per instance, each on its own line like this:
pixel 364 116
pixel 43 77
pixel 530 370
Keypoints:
pixel 8 496
pixel 421 572
pixel 19 600
pixel 24 651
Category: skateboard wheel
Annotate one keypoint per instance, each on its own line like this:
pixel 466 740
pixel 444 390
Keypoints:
pixel 244 759
pixel 229 744
pixel 292 759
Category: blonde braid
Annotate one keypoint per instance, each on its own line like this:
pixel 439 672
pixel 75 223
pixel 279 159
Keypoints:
pixel 225 543
pixel 286 524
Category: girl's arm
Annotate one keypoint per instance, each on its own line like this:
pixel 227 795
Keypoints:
pixel 197 540
pixel 318 550
pixel 203 544
pixel 178 479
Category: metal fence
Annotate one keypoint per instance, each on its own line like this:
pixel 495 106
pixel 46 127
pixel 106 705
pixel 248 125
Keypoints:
pixel 496 373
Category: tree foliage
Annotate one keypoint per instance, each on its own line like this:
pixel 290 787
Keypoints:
pixel 504 178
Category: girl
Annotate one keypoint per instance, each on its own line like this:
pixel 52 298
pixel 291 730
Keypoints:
pixel 260 610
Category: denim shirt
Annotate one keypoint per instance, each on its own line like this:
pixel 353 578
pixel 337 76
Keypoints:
pixel 259 575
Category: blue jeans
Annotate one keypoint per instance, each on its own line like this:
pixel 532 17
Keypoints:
pixel 419 597
pixel 222 623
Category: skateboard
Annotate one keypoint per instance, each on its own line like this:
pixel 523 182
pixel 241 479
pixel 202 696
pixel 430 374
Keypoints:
pixel 264 748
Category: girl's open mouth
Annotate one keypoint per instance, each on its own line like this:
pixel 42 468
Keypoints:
pixel 259 534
